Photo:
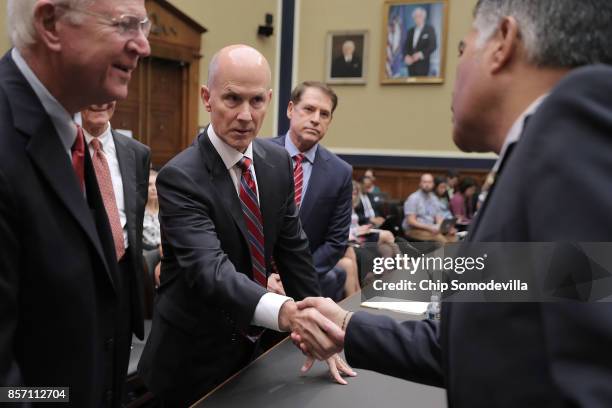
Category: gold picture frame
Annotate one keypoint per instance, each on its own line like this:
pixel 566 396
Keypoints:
pixel 414 40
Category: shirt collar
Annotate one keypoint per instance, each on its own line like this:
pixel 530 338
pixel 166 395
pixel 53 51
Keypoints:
pixel 292 150
pixel 516 131
pixel 105 138
pixel 61 119
pixel 229 155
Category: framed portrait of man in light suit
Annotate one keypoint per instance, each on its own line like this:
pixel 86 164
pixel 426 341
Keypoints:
pixel 346 57
pixel 414 41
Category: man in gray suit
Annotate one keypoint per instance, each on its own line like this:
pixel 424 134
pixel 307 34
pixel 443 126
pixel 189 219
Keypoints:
pixel 520 63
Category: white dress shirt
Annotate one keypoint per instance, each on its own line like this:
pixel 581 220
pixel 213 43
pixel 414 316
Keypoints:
pixel 268 308
pixel 107 144
pixel 417 35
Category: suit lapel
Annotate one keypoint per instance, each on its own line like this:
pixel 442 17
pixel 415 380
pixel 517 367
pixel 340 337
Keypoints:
pixel 127 168
pixel 268 200
pixel 482 211
pixel 222 182
pixel 315 183
pixel 48 155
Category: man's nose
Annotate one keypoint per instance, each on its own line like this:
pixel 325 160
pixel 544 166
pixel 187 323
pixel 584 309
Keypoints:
pixel 245 113
pixel 140 45
pixel 316 117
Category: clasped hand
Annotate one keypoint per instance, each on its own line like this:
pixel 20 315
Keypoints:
pixel 315 329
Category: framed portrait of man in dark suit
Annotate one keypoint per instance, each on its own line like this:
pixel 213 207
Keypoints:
pixel 346 58
pixel 413 41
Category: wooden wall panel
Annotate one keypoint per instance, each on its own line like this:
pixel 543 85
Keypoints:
pixel 400 183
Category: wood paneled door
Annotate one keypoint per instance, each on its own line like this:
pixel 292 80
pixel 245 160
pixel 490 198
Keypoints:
pixel 162 105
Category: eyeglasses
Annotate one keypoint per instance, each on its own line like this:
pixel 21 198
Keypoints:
pixel 127 25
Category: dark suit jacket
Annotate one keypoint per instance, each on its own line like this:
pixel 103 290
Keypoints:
pixel 427 44
pixel 134 163
pixel 59 291
pixel 326 212
pixel 342 69
pixel 523 354
pixel 207 297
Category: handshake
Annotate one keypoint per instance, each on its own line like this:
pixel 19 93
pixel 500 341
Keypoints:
pixel 317 327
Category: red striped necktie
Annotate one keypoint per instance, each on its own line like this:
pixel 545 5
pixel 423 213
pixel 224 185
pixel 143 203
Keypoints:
pixel 298 178
pixel 78 157
pixel 105 183
pixel 254 222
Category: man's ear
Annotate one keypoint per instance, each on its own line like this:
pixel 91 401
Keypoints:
pixel 46 18
pixel 269 94
pixel 290 110
pixel 205 96
pixel 506 42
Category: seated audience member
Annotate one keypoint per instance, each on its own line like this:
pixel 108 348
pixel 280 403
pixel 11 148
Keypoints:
pixel 151 235
pixel 362 235
pixel 452 182
pixel 365 233
pixel 348 263
pixel 441 192
pixel 368 208
pixel 372 188
pixel 422 214
pixel 463 204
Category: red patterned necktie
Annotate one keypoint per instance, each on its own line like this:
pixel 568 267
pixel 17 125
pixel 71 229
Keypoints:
pixel 78 157
pixel 105 182
pixel 254 222
pixel 298 178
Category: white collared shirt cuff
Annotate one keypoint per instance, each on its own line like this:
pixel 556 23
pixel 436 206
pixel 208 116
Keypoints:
pixel 267 310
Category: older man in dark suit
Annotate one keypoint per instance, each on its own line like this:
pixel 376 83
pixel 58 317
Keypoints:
pixel 546 115
pixel 227 208
pixel 323 186
pixel 61 294
pixel 421 42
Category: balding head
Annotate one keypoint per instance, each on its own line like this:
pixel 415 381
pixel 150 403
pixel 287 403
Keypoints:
pixel 241 57
pixel 237 94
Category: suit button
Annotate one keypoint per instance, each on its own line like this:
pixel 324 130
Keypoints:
pixel 109 396
pixel 108 344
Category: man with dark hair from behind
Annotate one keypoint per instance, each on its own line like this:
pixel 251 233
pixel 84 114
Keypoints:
pixel 520 93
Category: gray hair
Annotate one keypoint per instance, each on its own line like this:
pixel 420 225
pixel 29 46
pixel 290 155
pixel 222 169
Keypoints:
pixel 20 19
pixel 419 10
pixel 555 33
